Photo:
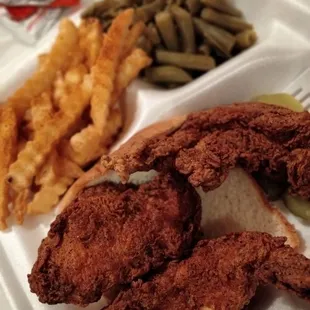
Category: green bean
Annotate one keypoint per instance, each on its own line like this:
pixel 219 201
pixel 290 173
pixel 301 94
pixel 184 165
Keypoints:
pixel 204 49
pixel 298 206
pixel 152 34
pixel 188 61
pixel 98 8
pixel 246 39
pixel 216 37
pixel 167 74
pixel 193 6
pixel 222 6
pixel 185 24
pixel 106 23
pixel 231 23
pixel 145 44
pixel 147 11
pixel 165 25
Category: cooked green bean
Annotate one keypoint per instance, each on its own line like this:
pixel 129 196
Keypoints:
pixel 152 34
pixel 99 8
pixel 204 49
pixel 298 206
pixel 193 6
pixel 167 74
pixel 145 44
pixel 246 39
pixel 215 36
pixel 187 61
pixel 231 23
pixel 165 25
pixel 147 11
pixel 185 24
pixel 222 6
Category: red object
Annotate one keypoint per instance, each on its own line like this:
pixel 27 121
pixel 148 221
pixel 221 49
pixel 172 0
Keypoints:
pixel 64 3
pixel 21 12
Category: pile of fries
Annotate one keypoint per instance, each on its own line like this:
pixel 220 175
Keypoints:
pixel 67 114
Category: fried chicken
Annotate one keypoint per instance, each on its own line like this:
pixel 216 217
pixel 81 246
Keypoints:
pixel 112 234
pixel 223 273
pixel 204 147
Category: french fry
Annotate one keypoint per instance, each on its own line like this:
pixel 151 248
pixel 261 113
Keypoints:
pixel 89 154
pixel 41 111
pixel 69 168
pixel 128 70
pixel 41 60
pixel 59 88
pixel 90 39
pixel 49 172
pixel 8 138
pixel 48 196
pixel 112 128
pixel 42 79
pixel 104 71
pixel 133 36
pixel 36 151
pixel 20 205
pixel 72 79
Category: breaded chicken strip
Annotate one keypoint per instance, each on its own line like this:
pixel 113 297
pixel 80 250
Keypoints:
pixel 221 274
pixel 112 234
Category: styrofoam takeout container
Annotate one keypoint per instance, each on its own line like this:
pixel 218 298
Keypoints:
pixel 282 53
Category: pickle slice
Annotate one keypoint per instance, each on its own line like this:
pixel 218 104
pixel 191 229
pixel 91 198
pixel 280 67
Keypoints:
pixel 282 100
pixel 298 206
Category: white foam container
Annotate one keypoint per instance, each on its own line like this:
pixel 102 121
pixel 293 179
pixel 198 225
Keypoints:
pixel 281 54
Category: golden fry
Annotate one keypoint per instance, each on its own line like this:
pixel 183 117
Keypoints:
pixel 41 60
pixel 69 168
pixel 59 88
pixel 112 128
pixel 8 138
pixel 128 70
pixel 36 151
pixel 88 153
pixel 41 111
pixel 42 79
pixel 48 196
pixel 48 173
pixel 104 71
pixel 90 41
pixel 20 205
pixel 133 36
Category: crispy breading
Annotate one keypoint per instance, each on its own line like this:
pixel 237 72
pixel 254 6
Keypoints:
pixel 255 136
pixel 112 234
pixel 8 138
pixel 222 273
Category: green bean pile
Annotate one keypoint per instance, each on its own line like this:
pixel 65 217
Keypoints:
pixel 186 38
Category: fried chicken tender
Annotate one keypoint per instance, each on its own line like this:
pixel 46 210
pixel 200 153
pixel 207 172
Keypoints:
pixel 223 273
pixel 208 144
pixel 112 234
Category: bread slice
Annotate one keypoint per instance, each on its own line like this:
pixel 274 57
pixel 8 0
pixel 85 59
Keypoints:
pixel 239 204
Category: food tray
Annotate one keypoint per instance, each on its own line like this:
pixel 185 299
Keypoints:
pixel 280 55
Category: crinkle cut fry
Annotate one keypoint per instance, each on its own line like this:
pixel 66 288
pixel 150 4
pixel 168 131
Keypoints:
pixel 36 151
pixel 43 78
pixel 8 140
pixel 104 71
pixel 20 205
pixel 48 196
pixel 90 39
pixel 128 70
pixel 133 36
